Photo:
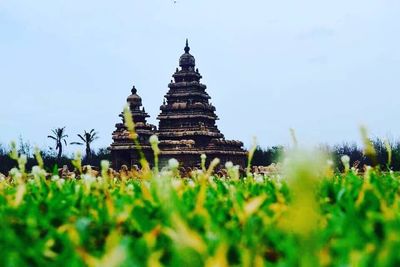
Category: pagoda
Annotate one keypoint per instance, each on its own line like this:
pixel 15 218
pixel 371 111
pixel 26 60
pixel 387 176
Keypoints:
pixel 187 127
pixel 123 149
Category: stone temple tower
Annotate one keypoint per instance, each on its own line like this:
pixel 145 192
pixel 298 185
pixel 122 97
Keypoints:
pixel 123 149
pixel 187 125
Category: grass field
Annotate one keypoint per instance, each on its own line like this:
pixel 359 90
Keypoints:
pixel 308 215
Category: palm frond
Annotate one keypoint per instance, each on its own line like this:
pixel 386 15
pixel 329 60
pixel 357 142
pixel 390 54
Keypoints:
pixel 52 137
pixel 76 143
pixel 81 137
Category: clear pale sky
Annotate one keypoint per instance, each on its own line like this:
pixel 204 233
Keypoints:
pixel 320 67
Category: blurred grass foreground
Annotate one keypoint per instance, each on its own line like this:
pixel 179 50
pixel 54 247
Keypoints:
pixel 304 214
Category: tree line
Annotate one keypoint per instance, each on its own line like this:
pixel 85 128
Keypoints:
pixel 54 157
pixel 269 155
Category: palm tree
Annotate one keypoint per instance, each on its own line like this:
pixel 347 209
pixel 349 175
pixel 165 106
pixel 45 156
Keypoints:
pixel 87 139
pixel 59 136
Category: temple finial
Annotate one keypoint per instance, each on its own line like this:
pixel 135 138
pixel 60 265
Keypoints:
pixel 187 48
pixel 133 90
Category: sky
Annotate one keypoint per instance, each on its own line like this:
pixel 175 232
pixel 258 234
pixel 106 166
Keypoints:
pixel 322 68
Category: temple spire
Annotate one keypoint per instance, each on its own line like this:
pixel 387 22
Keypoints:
pixel 133 90
pixel 187 48
pixel 187 61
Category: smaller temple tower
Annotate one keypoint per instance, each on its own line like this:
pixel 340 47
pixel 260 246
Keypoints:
pixel 123 149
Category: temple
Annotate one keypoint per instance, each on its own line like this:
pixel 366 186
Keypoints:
pixel 187 124
pixel 123 149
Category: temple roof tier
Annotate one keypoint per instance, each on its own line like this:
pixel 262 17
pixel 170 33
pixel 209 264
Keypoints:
pixel 131 147
pixel 193 109
pixel 188 94
pixel 192 133
pixel 186 116
pixel 198 152
pixel 194 84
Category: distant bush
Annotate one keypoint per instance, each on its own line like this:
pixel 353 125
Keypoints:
pixel 266 156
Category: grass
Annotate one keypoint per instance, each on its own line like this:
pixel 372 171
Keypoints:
pixel 306 216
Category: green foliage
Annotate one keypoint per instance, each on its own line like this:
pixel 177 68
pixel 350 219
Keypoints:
pixel 307 216
pixel 265 157
pixel 86 140
pixel 49 159
pixel 303 214
pixel 59 138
